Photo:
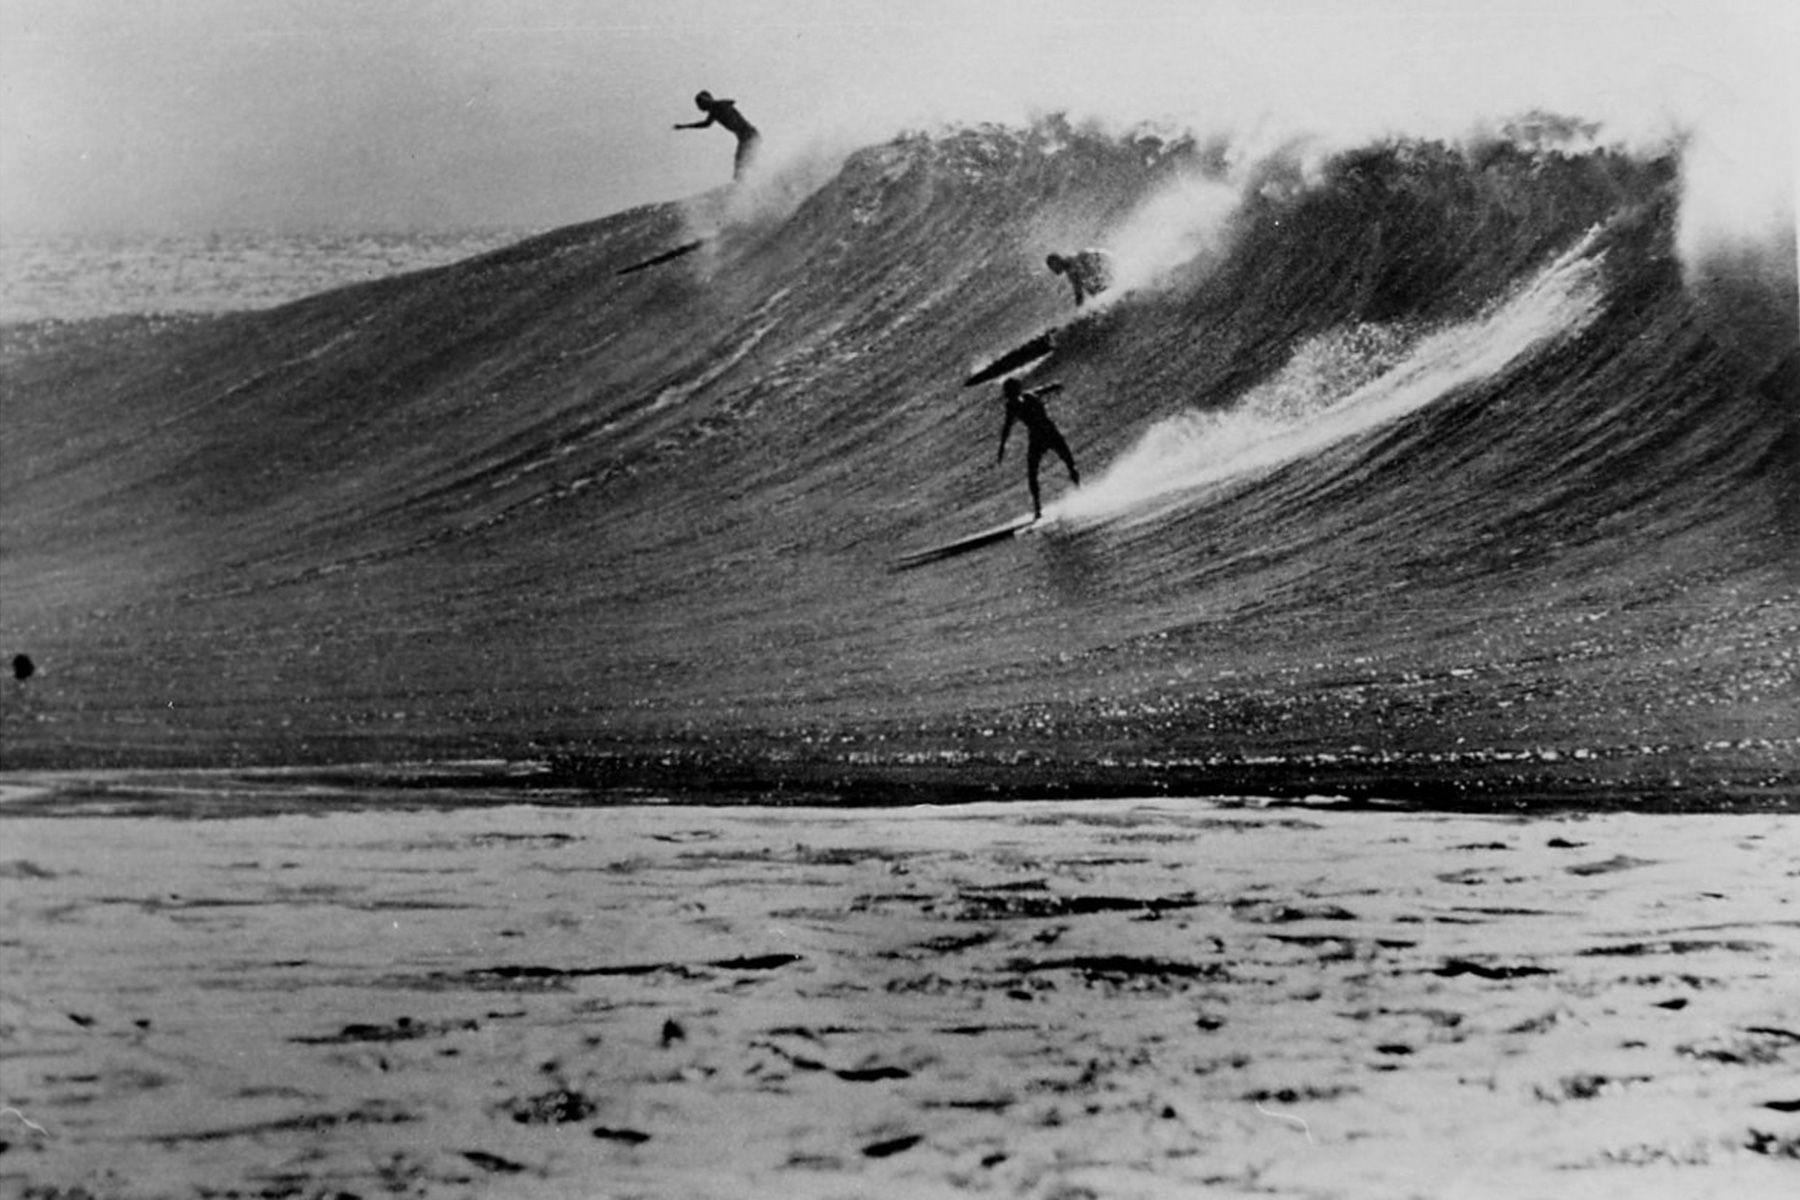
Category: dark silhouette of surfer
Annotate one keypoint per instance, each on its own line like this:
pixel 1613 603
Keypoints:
pixel 724 112
pixel 1027 408
pixel 1090 272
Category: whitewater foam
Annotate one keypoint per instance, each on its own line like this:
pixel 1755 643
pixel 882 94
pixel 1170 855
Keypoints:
pixel 1185 220
pixel 784 174
pixel 1336 387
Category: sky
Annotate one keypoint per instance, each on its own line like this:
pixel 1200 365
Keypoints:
pixel 195 115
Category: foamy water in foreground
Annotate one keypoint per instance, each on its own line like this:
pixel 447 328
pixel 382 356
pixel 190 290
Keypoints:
pixel 73 278
pixel 1140 1000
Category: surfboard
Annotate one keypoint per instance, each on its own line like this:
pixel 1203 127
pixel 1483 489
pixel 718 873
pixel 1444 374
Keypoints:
pixel 1017 357
pixel 665 256
pixel 963 545
pixel 1086 329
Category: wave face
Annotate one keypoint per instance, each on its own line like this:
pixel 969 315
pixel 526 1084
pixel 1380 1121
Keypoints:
pixel 1415 471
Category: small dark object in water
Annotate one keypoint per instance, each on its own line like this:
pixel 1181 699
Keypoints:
pixel 872 1074
pixel 23 667
pixel 493 1162
pixel 1462 966
pixel 558 1107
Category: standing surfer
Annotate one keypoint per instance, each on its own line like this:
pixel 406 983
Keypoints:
pixel 1027 408
pixel 724 112
pixel 1090 272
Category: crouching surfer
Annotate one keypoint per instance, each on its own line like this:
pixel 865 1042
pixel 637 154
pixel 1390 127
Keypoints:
pixel 1027 408
pixel 1090 272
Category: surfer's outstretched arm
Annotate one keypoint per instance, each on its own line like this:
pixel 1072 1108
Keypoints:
pixel 1005 429
pixel 705 103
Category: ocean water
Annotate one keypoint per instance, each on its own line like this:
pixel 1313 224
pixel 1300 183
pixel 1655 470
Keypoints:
pixel 1426 471
pixel 70 277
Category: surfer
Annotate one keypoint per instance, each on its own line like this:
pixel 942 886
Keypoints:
pixel 1027 408
pixel 1090 272
pixel 724 112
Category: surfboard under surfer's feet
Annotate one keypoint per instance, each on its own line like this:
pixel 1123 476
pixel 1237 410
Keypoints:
pixel 965 545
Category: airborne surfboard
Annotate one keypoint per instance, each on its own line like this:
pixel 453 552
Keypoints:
pixel 963 545
pixel 1015 358
pixel 1087 329
pixel 665 256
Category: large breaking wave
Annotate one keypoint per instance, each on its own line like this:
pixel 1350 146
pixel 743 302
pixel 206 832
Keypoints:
pixel 1412 467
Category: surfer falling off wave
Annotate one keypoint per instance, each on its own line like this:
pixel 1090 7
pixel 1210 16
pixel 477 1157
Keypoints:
pixel 1027 408
pixel 724 112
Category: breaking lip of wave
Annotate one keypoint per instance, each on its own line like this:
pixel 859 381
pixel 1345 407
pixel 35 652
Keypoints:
pixel 1336 386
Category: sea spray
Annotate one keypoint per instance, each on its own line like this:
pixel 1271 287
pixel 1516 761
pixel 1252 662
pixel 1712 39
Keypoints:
pixel 1334 387
pixel 1185 220
pixel 1190 218
pixel 1736 239
pixel 777 182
